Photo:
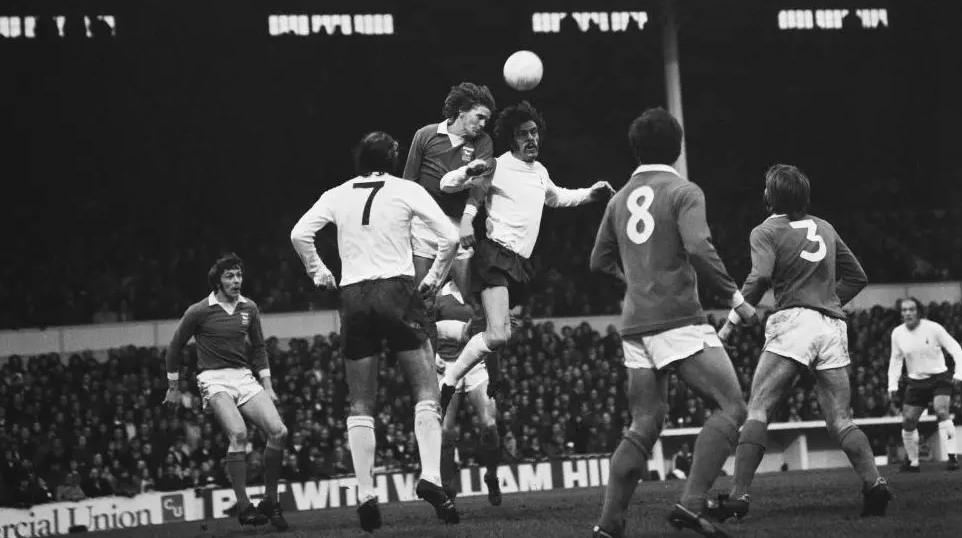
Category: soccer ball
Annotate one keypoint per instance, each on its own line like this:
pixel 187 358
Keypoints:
pixel 523 70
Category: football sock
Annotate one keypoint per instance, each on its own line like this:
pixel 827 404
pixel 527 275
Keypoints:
pixel 236 466
pixel 911 442
pixel 947 436
pixel 273 459
pixel 427 431
pixel 712 447
pixel 449 444
pixel 856 446
pixel 628 465
pixel 491 449
pixel 473 353
pixel 360 434
pixel 748 455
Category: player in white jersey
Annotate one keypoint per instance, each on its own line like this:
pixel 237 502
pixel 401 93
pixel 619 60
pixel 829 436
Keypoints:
pixel 917 344
pixel 515 197
pixel 454 323
pixel 379 301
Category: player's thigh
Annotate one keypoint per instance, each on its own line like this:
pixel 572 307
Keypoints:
pixel 834 396
pixel 359 334
pixel 261 412
pixel 711 375
pixel 832 344
pixel 361 376
pixel 400 315
pixel 225 410
pixel 484 406
pixel 773 378
pixel 497 312
pixel 647 397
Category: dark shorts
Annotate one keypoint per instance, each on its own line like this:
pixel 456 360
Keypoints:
pixel 375 310
pixel 920 392
pixel 494 266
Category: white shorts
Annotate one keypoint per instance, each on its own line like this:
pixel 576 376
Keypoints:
pixel 475 377
pixel 238 383
pixel 425 244
pixel 659 350
pixel 817 341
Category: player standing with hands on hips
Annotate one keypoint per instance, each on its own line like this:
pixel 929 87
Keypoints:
pixel 221 323
pixel 515 196
pixel 655 238
pixel 813 273
pixel 918 343
pixel 380 301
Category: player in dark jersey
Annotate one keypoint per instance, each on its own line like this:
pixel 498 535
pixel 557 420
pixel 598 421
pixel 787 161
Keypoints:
pixel 221 323
pixel 455 147
pixel 654 236
pixel 813 273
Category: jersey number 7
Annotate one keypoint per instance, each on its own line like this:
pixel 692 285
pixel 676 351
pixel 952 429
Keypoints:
pixel 811 235
pixel 374 186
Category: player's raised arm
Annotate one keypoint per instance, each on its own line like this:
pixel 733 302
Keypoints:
pixel 605 257
pixel 430 212
pixel 255 331
pixel 412 167
pixel 896 361
pixel 763 265
pixel 302 237
pixel 849 275
pixel 556 196
pixel 695 235
pixel 182 334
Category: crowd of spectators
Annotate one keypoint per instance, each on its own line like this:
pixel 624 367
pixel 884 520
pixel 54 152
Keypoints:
pixel 85 427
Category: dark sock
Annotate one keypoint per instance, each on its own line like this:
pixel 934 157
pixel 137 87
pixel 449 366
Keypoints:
pixel 236 465
pixel 628 465
pixel 491 449
pixel 712 448
pixel 859 451
pixel 751 448
pixel 449 443
pixel 273 458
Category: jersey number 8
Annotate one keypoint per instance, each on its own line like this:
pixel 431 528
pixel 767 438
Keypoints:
pixel 811 235
pixel 638 204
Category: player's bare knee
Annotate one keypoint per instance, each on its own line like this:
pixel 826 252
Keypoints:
pixel 735 409
pixel 278 433
pixel 838 427
pixel 497 336
pixel 237 436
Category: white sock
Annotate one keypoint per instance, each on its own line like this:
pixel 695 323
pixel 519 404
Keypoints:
pixel 427 431
pixel 947 436
pixel 473 353
pixel 911 442
pixel 360 434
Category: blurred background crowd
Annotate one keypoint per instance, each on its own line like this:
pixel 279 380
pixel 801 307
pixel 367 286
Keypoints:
pixel 86 428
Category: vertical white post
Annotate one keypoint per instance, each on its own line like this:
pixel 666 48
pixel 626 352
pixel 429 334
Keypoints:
pixel 673 74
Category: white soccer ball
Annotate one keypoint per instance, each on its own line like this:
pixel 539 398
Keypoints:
pixel 523 70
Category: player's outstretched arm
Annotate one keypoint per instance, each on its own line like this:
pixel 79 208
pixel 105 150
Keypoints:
pixel 182 334
pixel 696 237
pixel 556 196
pixel 605 257
pixel 849 275
pixel 423 206
pixel 302 238
pixel 476 171
pixel 896 361
pixel 479 191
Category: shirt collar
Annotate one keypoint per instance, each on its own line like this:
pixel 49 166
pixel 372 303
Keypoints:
pixel 655 168
pixel 455 139
pixel 212 300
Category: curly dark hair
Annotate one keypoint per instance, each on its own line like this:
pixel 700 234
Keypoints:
pixel 511 118
pixel 464 97
pixel 227 261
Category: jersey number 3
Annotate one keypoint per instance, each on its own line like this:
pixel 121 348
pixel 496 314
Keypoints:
pixel 809 226
pixel 374 186
pixel 640 224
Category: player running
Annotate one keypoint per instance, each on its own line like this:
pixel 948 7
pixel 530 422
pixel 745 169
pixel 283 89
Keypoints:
pixel 813 273
pixel 918 343
pixel 454 322
pixel 221 323
pixel 451 151
pixel 515 197
pixel 654 237
pixel 380 301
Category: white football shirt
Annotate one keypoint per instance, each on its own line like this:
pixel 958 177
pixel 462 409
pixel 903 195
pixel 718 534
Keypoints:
pixel 920 350
pixel 373 218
